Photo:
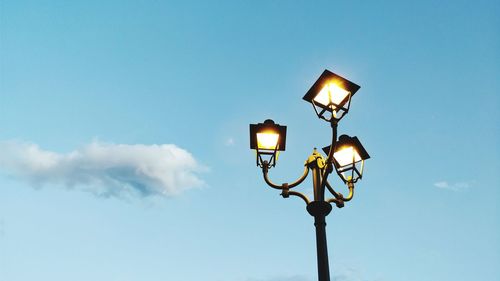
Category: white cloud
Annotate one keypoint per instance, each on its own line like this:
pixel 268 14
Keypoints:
pixel 348 274
pixel 229 142
pixel 105 169
pixel 343 274
pixel 284 278
pixel 441 184
pixel 458 186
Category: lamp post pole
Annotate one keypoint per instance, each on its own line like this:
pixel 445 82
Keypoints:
pixel 319 210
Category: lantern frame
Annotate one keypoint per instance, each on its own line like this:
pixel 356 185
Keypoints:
pixel 341 109
pixel 261 153
pixel 356 172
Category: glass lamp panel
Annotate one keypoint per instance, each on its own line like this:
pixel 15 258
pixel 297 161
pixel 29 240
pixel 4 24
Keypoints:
pixel 331 94
pixel 267 140
pixel 347 156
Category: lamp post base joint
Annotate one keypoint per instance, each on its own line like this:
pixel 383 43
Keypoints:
pixel 319 208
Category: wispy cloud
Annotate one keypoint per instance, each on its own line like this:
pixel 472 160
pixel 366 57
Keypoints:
pixel 284 278
pixel 457 186
pixel 105 169
pixel 348 274
pixel 354 273
pixel 343 274
pixel 229 142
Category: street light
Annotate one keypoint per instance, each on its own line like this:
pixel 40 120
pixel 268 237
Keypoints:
pixel 349 158
pixel 331 93
pixel 268 139
pixel 330 96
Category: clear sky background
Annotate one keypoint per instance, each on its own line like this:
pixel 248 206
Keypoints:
pixel 91 93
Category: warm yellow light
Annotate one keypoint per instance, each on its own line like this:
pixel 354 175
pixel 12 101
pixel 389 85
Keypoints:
pixel 267 140
pixel 347 156
pixel 331 93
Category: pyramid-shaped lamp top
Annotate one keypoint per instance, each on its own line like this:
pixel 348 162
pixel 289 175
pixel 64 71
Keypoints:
pixel 331 91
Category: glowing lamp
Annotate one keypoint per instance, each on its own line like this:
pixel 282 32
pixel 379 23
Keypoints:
pixel 349 157
pixel 331 93
pixel 268 139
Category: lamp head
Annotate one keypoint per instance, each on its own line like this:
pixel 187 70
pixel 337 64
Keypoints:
pixel 348 158
pixel 267 139
pixel 331 93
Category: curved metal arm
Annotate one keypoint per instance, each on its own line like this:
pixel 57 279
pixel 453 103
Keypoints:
pixel 286 193
pixel 339 198
pixel 265 171
pixel 351 191
pixel 339 202
pixel 301 179
pixel 330 188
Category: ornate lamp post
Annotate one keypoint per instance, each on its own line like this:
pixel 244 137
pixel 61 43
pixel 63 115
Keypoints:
pixel 330 96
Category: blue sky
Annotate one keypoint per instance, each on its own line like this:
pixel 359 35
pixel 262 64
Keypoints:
pixel 124 151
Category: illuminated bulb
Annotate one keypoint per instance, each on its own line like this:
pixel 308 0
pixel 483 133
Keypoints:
pixel 331 93
pixel 347 156
pixel 267 140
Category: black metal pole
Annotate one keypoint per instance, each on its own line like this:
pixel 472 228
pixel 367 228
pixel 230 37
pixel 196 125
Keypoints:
pixel 322 250
pixel 319 210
